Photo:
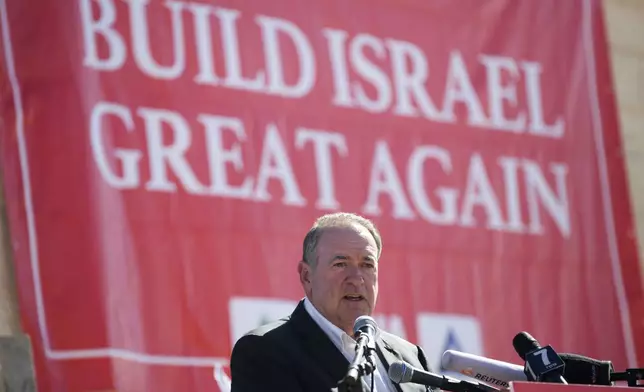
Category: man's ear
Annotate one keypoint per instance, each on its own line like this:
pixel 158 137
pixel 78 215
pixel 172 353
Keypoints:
pixel 305 273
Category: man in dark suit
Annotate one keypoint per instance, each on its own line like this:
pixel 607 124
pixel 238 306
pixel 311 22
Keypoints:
pixel 311 349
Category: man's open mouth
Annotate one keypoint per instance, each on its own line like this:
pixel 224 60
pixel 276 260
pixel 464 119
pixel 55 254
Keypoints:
pixel 354 297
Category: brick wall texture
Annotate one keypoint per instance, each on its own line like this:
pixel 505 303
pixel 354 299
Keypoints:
pixel 625 29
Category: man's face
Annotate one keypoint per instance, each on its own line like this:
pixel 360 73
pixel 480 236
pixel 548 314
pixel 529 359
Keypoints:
pixel 344 283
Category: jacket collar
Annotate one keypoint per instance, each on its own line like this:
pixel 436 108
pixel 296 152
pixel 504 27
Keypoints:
pixel 329 358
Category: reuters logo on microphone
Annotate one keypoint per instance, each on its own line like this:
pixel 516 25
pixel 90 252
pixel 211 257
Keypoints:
pixel 468 372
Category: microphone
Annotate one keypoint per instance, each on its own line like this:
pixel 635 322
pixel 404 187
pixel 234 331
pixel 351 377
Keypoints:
pixel 489 371
pixel 364 362
pixel 542 364
pixel 578 369
pixel 585 370
pixel 365 325
pixel 590 371
pixel 401 372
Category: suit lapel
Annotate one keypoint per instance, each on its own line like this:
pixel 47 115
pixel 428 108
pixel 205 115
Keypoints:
pixel 315 341
pixel 387 356
pixel 329 358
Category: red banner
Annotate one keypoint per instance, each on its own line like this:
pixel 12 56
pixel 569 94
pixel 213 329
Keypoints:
pixel 163 161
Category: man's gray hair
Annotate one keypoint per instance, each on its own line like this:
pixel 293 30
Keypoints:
pixel 338 219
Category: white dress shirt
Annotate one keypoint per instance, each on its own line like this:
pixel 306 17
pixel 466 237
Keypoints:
pixel 347 345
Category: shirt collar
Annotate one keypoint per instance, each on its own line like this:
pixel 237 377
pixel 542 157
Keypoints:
pixel 337 335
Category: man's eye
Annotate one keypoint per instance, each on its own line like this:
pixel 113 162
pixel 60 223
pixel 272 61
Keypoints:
pixel 340 264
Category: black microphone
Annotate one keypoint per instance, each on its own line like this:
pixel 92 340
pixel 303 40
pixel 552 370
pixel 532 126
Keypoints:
pixel 542 364
pixel 590 371
pixel 364 362
pixel 584 370
pixel 401 372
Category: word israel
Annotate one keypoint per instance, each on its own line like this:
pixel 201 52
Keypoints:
pixel 122 139
pixel 369 73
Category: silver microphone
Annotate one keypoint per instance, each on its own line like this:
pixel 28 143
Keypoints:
pixel 486 370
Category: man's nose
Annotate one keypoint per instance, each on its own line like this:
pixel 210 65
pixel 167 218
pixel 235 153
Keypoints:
pixel 355 274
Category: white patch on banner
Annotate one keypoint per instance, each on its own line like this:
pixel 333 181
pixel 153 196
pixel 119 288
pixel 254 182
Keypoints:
pixel 392 323
pixel 247 313
pixel 222 379
pixel 438 332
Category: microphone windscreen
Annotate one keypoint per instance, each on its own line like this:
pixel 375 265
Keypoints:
pixel 400 373
pixel 523 343
pixel 363 323
pixel 584 370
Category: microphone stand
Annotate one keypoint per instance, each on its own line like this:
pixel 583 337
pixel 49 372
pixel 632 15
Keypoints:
pixel 631 376
pixel 363 364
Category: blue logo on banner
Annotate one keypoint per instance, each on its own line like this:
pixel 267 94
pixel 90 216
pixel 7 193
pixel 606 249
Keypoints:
pixel 452 342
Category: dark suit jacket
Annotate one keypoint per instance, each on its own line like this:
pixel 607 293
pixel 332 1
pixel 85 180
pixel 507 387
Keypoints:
pixel 294 354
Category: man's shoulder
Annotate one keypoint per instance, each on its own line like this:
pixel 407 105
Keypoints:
pixel 275 330
pixel 274 335
pixel 397 341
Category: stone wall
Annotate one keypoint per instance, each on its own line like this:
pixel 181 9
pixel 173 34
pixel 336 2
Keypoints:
pixel 625 29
